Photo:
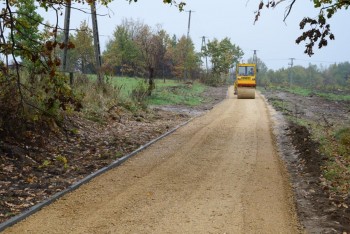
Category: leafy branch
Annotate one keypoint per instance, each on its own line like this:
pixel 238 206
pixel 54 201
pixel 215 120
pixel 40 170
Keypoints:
pixel 318 32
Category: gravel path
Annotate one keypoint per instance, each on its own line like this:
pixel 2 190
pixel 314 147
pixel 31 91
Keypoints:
pixel 218 174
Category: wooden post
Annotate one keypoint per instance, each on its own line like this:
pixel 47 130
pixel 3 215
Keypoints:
pixel 66 36
pixel 96 42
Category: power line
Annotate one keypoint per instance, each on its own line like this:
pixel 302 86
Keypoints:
pixel 291 62
pixel 315 61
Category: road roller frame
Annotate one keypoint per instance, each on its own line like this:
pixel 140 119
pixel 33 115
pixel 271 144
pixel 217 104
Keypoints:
pixel 245 83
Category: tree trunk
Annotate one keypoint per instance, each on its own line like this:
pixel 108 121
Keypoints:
pixel 151 84
pixel 82 66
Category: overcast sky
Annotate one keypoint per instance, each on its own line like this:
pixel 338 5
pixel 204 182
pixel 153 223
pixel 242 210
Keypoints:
pixel 273 39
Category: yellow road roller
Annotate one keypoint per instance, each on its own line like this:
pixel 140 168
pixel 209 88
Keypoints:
pixel 245 83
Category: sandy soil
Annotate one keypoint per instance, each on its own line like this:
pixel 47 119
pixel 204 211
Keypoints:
pixel 219 174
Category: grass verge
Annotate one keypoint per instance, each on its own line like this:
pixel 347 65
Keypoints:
pixel 333 96
pixel 334 146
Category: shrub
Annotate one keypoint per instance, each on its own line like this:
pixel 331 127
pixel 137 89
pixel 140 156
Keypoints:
pixel 140 93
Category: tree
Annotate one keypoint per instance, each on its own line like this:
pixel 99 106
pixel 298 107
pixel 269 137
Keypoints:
pixel 181 56
pixel 122 52
pixel 162 39
pixel 27 38
pixel 26 34
pixel 223 55
pixel 39 51
pixel 83 53
pixel 149 44
pixel 318 32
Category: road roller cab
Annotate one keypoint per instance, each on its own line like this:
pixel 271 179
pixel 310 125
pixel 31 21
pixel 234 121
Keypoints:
pixel 245 83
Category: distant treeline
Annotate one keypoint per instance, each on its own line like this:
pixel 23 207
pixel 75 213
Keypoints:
pixel 335 77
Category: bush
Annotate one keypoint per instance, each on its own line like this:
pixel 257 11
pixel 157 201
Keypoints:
pixel 214 80
pixel 140 93
pixel 10 104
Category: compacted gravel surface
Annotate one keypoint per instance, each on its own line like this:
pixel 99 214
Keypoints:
pixel 218 174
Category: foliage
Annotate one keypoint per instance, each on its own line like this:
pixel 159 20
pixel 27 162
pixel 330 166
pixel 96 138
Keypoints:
pixel 223 56
pixel 335 79
pixel 27 37
pixel 39 51
pixel 122 54
pixel 180 5
pixel 137 49
pixel 181 58
pixel 140 93
pixel 81 58
pixel 319 31
pixel 36 87
pixel 96 98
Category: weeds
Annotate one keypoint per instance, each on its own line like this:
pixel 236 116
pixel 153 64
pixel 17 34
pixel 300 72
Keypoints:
pixel 62 160
pixel 334 143
pixel 140 93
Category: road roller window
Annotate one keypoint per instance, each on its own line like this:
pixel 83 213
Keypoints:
pixel 242 71
pixel 246 71
pixel 251 71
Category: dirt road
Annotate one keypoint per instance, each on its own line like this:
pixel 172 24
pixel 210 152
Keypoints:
pixel 218 174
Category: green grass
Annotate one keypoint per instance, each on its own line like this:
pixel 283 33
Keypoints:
pixel 296 90
pixel 307 92
pixel 334 97
pixel 178 94
pixel 169 92
pixel 131 93
pixel 125 84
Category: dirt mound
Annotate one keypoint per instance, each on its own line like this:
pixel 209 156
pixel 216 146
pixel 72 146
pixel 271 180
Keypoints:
pixel 328 209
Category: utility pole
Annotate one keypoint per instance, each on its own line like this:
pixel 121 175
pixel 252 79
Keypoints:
pixel 255 60
pixel 290 71
pixel 66 35
pixel 255 57
pixel 187 42
pixel 204 45
pixel 96 43
pixel 189 23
